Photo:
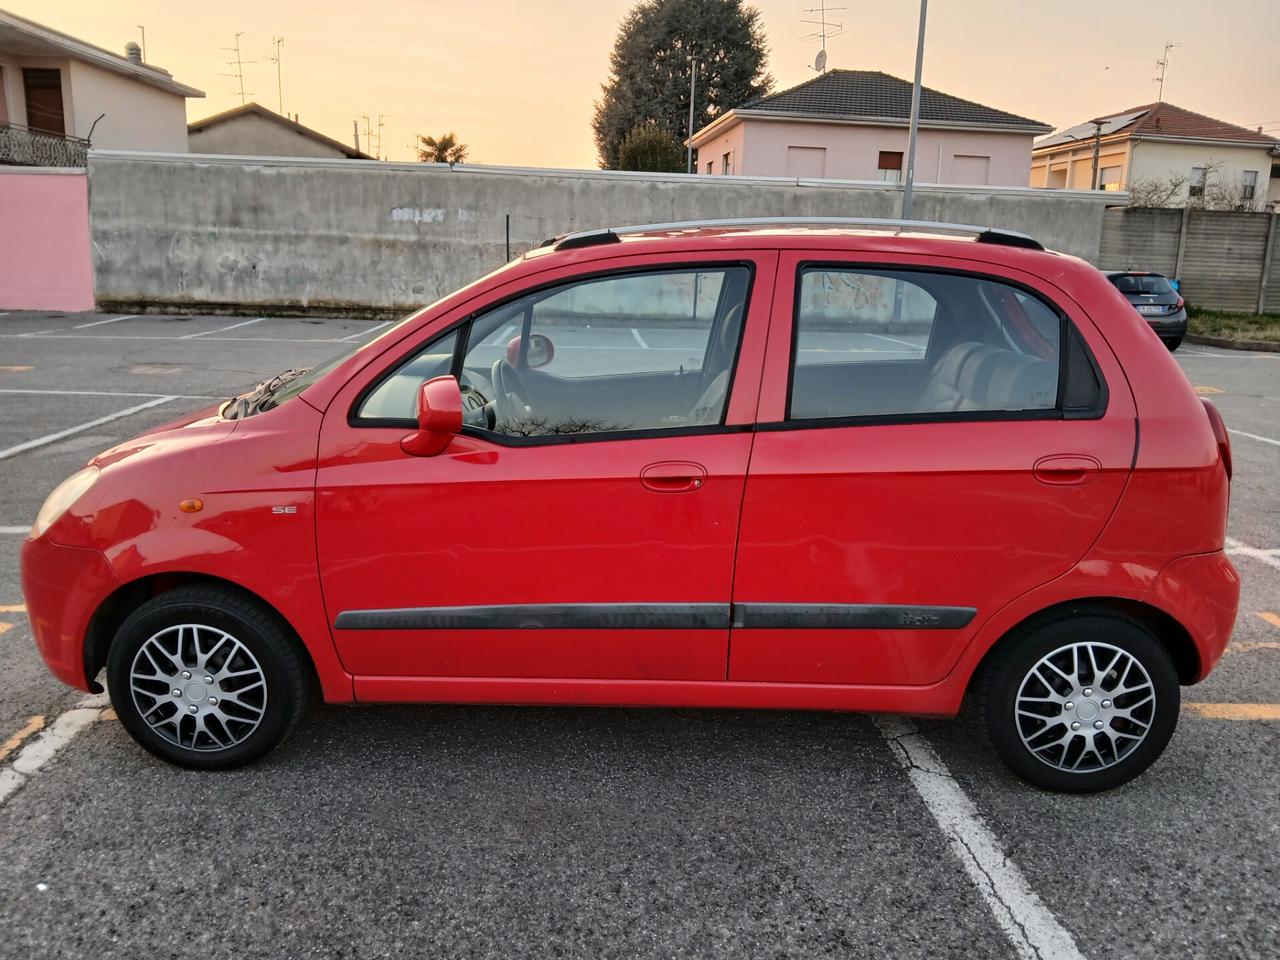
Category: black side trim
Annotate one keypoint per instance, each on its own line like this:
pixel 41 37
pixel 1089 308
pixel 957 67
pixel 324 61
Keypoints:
pixel 1009 238
pixel 848 616
pixel 661 616
pixel 543 616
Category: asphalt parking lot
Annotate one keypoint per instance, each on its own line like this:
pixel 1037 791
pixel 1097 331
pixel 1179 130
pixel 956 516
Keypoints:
pixel 487 831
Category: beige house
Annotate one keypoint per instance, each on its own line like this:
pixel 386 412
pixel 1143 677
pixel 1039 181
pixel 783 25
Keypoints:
pixel 253 130
pixel 853 125
pixel 55 86
pixel 1161 142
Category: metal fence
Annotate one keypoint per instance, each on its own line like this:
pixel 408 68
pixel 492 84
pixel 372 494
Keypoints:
pixel 21 146
pixel 1222 260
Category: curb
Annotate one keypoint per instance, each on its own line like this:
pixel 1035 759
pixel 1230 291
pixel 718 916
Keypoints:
pixel 1260 346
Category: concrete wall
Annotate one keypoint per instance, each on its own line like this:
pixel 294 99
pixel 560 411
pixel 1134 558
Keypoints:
pixel 1141 239
pixel 252 134
pixel 853 151
pixel 44 242
pixel 264 233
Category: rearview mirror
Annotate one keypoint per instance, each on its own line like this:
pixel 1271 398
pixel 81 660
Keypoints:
pixel 541 351
pixel 439 418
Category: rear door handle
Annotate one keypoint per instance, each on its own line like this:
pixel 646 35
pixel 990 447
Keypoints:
pixel 1066 469
pixel 673 476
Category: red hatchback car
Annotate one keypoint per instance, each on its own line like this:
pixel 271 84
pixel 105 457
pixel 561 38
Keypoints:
pixel 839 465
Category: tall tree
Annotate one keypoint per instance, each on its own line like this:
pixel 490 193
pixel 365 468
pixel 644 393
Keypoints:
pixel 446 149
pixel 650 65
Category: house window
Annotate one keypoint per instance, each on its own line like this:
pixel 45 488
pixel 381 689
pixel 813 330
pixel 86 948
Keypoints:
pixel 711 166
pixel 806 161
pixel 970 168
pixel 1109 178
pixel 1197 182
pixel 1248 184
pixel 43 89
pixel 890 167
pixel 726 165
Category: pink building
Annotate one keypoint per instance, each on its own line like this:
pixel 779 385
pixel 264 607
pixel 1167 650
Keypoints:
pixel 852 125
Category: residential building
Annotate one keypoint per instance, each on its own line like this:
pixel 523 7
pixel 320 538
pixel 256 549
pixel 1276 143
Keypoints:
pixel 853 124
pixel 1161 142
pixel 59 94
pixel 253 130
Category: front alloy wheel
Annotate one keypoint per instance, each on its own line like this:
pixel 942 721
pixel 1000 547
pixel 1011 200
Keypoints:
pixel 1082 702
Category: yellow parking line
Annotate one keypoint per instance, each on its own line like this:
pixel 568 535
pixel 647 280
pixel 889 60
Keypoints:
pixel 1236 711
pixel 1207 391
pixel 14 608
pixel 14 742
pixel 1271 618
pixel 15 369
pixel 5 628
pixel 1244 646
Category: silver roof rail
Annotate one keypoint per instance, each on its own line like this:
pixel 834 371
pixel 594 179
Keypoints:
pixel 1008 238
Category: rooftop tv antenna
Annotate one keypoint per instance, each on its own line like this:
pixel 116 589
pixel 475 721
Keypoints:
pixel 278 42
pixel 143 30
pixel 1163 64
pixel 825 31
pixel 238 63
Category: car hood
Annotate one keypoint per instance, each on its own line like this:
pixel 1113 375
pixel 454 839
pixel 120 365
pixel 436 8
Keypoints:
pixel 197 427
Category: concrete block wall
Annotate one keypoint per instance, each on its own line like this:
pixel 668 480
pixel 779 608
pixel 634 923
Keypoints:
pixel 259 234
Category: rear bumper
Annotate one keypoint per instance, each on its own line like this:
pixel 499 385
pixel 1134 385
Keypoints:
pixel 1202 592
pixel 63 586
pixel 1171 326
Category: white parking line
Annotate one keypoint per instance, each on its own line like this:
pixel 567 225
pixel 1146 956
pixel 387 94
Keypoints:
pixel 98 323
pixel 1270 557
pixel 365 333
pixel 234 326
pixel 105 393
pixel 16 530
pixel 53 335
pixel 913 346
pixel 52 739
pixel 79 428
pixel 1028 924
pixel 1254 436
pixel 639 339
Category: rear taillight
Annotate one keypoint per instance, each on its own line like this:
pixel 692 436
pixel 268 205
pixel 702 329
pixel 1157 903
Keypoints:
pixel 1178 306
pixel 1219 434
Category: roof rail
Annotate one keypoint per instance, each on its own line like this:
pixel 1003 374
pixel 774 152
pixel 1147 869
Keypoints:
pixel 1007 238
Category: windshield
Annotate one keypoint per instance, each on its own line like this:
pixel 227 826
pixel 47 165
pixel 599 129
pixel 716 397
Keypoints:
pixel 1128 283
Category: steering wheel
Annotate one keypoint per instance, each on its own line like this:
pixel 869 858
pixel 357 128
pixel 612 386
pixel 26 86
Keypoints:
pixel 511 396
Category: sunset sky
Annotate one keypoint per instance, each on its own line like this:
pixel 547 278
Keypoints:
pixel 516 78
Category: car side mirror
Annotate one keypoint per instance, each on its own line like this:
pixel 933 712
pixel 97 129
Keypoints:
pixel 541 351
pixel 439 418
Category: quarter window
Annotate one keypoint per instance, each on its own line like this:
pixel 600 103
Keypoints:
pixel 875 343
pixel 628 352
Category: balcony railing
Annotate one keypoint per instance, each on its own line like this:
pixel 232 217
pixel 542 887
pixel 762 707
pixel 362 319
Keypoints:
pixel 22 146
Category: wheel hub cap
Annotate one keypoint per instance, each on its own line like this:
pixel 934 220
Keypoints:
pixel 1084 707
pixel 198 687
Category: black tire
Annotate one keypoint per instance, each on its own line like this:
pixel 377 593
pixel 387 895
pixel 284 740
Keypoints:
pixel 279 700
pixel 1173 343
pixel 1005 675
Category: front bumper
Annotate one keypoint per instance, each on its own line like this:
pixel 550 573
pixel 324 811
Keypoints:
pixel 63 586
pixel 1202 592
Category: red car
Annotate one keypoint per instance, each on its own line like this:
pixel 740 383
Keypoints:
pixel 838 465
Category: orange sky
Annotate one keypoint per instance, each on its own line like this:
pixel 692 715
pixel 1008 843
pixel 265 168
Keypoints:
pixel 516 78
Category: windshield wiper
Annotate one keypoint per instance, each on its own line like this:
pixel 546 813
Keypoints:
pixel 257 399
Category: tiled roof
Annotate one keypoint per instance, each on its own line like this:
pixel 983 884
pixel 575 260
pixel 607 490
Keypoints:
pixel 862 94
pixel 1167 120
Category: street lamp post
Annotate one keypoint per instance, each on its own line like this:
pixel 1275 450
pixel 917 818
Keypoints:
pixel 915 119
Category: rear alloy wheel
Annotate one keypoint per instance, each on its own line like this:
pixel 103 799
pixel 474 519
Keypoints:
pixel 206 678
pixel 1082 703
pixel 1173 343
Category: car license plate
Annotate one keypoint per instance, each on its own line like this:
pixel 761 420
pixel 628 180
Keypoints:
pixel 1150 308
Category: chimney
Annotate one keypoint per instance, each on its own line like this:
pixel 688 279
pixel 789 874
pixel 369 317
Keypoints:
pixel 133 52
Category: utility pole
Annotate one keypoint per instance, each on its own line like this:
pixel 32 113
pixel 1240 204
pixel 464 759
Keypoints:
pixel 144 42
pixel 1097 146
pixel 1163 64
pixel 278 42
pixel 355 131
pixel 909 184
pixel 693 74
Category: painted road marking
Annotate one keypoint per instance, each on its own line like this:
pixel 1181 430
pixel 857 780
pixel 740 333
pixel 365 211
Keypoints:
pixel 5 627
pixel 1270 557
pixel 913 346
pixel 50 741
pixel 16 369
pixel 234 326
pixel 14 607
pixel 48 335
pixel 33 725
pixel 12 530
pixel 365 333
pixel 105 393
pixel 80 428
pixel 1235 711
pixel 639 339
pixel 1248 646
pixel 1029 925
pixel 1269 617
pixel 1254 436
pixel 1207 391
pixel 98 323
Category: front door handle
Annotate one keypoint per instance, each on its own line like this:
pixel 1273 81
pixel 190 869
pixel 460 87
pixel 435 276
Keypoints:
pixel 673 476
pixel 1066 469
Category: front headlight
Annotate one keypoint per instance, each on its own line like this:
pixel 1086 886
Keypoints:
pixel 60 501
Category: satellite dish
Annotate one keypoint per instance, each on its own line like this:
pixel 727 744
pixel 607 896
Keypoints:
pixel 820 61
